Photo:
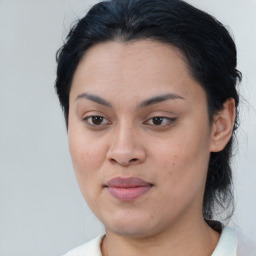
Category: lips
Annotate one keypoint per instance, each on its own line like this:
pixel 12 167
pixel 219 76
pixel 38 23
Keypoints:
pixel 127 189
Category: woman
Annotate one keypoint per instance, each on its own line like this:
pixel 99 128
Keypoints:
pixel 148 90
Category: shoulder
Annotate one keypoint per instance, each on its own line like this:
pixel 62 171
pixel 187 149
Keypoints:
pixel 246 247
pixel 233 243
pixel 90 248
pixel 227 244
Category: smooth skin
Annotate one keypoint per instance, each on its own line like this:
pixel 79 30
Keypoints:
pixel 135 111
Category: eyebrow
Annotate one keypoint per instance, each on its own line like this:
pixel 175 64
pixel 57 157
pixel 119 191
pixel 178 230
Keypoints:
pixel 145 103
pixel 94 98
pixel 160 98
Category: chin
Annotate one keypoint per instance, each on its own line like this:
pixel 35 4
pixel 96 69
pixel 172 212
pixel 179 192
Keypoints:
pixel 132 226
pixel 132 231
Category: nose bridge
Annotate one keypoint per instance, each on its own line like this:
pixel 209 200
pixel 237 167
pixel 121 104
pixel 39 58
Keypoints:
pixel 126 147
pixel 124 140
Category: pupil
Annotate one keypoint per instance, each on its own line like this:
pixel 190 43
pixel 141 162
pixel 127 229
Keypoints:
pixel 97 119
pixel 157 120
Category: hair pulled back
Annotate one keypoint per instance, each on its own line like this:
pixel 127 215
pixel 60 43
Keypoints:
pixel 207 48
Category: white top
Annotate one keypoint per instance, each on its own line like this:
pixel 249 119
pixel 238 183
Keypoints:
pixel 227 245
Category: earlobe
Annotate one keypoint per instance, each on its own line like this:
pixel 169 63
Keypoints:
pixel 222 127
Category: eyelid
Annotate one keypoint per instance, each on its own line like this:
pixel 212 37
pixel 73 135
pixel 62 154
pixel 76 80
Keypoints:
pixel 171 121
pixel 94 113
pixel 89 115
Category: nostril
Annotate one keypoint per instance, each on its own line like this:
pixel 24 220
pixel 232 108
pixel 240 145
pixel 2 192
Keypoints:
pixel 133 160
pixel 113 161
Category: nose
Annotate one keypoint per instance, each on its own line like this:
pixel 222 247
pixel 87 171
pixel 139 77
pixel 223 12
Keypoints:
pixel 126 147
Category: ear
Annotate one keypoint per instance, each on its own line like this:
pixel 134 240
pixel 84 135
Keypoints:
pixel 222 127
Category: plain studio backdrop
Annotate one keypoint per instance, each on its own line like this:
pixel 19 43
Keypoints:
pixel 41 209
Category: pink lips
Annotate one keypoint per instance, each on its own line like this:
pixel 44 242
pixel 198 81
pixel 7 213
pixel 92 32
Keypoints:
pixel 127 189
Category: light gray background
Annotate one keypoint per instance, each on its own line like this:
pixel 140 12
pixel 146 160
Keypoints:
pixel 41 209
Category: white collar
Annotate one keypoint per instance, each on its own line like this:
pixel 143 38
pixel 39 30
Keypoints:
pixel 227 245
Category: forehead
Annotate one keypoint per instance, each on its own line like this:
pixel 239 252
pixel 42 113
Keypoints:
pixel 139 57
pixel 136 68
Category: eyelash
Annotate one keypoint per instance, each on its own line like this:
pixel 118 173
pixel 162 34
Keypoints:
pixel 168 121
pixel 90 123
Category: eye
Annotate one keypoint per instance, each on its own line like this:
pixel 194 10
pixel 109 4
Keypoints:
pixel 161 121
pixel 96 120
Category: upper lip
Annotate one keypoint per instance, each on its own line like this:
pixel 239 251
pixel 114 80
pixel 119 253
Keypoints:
pixel 127 182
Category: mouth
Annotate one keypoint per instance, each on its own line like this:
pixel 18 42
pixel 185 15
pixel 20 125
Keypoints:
pixel 127 189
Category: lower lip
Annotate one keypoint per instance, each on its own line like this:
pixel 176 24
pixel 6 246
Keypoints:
pixel 128 194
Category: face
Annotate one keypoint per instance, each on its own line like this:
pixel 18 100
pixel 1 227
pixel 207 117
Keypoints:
pixel 139 137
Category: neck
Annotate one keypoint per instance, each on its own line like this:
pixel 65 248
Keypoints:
pixel 192 238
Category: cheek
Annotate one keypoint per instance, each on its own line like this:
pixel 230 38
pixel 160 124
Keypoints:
pixel 183 161
pixel 191 146
pixel 87 155
pixel 87 160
